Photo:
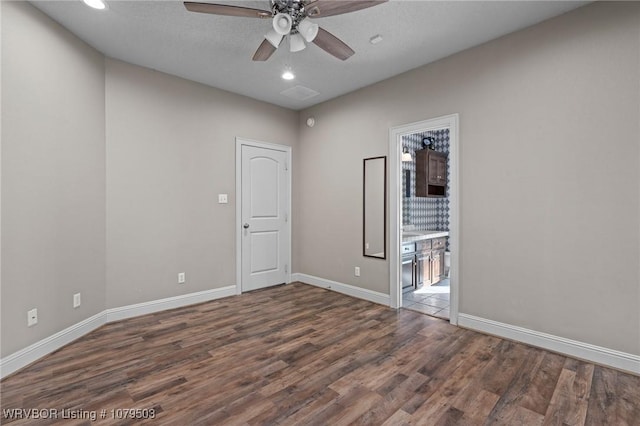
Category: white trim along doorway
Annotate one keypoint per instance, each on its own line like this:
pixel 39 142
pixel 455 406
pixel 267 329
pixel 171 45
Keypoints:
pixel 395 206
pixel 275 265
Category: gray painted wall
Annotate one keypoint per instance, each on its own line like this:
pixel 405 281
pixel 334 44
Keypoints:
pixel 549 142
pixel 170 151
pixel 53 177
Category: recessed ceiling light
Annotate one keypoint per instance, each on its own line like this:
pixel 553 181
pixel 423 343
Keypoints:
pixel 375 39
pixel 96 4
pixel 288 75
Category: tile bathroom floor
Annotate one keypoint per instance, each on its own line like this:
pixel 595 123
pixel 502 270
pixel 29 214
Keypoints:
pixel 431 300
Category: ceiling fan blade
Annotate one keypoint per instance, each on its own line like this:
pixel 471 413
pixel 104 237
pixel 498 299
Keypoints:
pixel 227 10
pixel 322 8
pixel 332 45
pixel 264 52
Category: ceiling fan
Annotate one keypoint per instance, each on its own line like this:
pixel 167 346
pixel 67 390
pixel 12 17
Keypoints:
pixel 292 18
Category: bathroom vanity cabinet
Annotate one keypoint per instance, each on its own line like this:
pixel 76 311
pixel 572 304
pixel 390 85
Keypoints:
pixel 422 262
pixel 431 173
pixel 408 267
pixel 437 265
pixel 424 274
pixel 439 245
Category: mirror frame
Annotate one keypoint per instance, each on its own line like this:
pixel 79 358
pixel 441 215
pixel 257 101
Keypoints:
pixel 384 207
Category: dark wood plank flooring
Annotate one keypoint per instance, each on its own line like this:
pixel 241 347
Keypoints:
pixel 300 355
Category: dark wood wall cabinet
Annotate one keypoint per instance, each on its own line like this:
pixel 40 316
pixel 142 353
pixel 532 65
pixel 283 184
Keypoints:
pixel 431 173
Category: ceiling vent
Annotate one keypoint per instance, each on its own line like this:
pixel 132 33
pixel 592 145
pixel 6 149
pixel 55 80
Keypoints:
pixel 299 93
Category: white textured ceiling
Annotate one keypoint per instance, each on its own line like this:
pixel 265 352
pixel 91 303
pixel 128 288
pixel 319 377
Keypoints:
pixel 217 50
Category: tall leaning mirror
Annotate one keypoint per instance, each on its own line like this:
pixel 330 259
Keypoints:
pixel 374 207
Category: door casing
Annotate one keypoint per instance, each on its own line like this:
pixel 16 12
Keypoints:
pixel 240 142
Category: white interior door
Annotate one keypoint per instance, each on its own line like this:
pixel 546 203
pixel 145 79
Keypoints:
pixel 264 217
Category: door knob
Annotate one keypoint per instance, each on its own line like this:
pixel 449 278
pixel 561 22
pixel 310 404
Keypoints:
pixel 245 226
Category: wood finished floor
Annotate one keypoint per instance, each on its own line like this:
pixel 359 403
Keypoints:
pixel 300 355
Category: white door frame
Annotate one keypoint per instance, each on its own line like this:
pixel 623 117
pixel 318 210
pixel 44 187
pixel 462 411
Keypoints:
pixel 395 191
pixel 240 142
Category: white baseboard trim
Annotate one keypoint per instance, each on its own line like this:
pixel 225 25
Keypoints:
pixel 586 351
pixel 130 311
pixel 32 353
pixel 360 293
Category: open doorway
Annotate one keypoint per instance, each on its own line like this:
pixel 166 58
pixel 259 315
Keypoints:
pixel 425 222
pixel 424 216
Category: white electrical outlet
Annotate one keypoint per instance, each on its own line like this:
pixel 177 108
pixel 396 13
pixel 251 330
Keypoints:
pixel 76 300
pixel 222 199
pixel 357 271
pixel 181 278
pixel 32 317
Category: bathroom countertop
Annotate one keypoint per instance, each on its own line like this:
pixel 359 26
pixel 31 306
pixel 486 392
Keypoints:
pixel 412 236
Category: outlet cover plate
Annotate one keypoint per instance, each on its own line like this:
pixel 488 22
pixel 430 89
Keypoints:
pixel 32 317
pixel 76 300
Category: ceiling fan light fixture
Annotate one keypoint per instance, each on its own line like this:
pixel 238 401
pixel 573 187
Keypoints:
pixel 274 38
pixel 289 18
pixel 96 4
pixel 282 23
pixel 296 43
pixel 308 29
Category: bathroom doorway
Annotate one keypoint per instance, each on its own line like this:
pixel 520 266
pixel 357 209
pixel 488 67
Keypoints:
pixel 424 217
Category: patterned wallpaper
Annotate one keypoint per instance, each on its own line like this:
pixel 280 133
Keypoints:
pixel 424 213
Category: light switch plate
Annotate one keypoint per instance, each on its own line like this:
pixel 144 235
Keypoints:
pixel 223 199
